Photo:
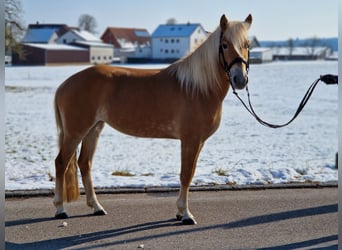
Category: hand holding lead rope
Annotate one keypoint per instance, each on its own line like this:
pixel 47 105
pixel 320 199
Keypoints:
pixel 329 79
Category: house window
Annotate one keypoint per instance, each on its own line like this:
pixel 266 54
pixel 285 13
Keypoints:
pixel 172 40
pixel 177 40
pixel 166 51
pixel 166 41
pixel 172 51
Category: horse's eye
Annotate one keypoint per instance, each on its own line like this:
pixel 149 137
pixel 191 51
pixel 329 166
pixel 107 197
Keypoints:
pixel 225 46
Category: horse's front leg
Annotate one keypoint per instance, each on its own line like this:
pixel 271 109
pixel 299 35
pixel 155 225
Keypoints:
pixel 190 153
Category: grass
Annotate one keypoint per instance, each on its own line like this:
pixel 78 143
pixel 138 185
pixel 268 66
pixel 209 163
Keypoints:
pixel 124 172
pixel 221 172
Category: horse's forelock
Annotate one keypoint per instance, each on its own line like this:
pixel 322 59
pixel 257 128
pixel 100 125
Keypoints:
pixel 236 33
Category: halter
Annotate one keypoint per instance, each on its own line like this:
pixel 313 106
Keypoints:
pixel 227 67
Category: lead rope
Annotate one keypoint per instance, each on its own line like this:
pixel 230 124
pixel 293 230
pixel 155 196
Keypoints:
pixel 327 79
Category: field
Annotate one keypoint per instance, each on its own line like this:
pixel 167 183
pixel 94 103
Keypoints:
pixel 240 152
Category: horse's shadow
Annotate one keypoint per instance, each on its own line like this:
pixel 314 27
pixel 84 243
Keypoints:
pixel 96 237
pixel 75 240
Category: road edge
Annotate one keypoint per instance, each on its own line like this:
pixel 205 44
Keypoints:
pixel 125 190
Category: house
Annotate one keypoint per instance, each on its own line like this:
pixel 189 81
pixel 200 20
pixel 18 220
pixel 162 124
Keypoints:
pixel 253 42
pixel 46 44
pixel 260 55
pixel 300 53
pixel 52 54
pixel 99 52
pixel 74 35
pixel 173 41
pixel 130 44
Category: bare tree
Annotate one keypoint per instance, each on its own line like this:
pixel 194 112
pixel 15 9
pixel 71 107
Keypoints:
pixel 14 28
pixel 88 23
pixel 290 43
pixel 312 43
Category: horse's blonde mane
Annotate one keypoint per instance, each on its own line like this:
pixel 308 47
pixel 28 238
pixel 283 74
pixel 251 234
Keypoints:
pixel 199 72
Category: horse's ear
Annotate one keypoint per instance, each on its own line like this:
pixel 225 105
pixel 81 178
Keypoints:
pixel 249 20
pixel 223 22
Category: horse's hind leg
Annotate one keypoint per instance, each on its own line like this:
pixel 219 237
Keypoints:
pixel 85 163
pixel 64 158
pixel 190 153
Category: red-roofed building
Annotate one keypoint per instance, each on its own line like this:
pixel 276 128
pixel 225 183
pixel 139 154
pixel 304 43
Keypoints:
pixel 130 44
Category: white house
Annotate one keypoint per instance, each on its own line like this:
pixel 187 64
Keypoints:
pixel 260 55
pixel 174 41
pixel 74 35
pixel 99 52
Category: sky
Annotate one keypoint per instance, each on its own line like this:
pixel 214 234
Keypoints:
pixel 272 19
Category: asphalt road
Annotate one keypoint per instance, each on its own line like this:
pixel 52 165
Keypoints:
pixel 250 219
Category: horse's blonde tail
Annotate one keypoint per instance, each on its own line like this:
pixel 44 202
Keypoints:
pixel 71 188
pixel 71 191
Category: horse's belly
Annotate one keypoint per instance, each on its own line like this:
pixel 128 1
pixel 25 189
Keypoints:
pixel 143 128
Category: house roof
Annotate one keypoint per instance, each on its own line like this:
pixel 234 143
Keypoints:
pixel 39 35
pixel 93 44
pixel 122 37
pixel 175 30
pixel 84 35
pixel 42 33
pixel 54 46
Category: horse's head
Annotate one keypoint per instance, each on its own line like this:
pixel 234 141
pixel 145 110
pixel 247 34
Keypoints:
pixel 234 50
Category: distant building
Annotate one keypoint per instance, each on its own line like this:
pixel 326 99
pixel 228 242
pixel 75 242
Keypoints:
pixel 130 44
pixel 300 53
pixel 260 55
pixel 99 52
pixel 52 54
pixel 253 42
pixel 46 44
pixel 74 35
pixel 174 41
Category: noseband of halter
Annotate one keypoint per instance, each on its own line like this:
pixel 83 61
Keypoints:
pixel 227 67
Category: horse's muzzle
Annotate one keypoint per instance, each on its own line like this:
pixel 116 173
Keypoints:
pixel 239 79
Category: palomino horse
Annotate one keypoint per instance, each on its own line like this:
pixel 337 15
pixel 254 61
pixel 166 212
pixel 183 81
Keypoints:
pixel 182 101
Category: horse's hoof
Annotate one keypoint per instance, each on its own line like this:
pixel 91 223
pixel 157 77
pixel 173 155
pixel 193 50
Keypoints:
pixel 189 221
pixel 63 215
pixel 179 217
pixel 100 212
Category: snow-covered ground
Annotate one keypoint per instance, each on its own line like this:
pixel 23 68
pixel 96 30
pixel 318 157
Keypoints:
pixel 242 151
